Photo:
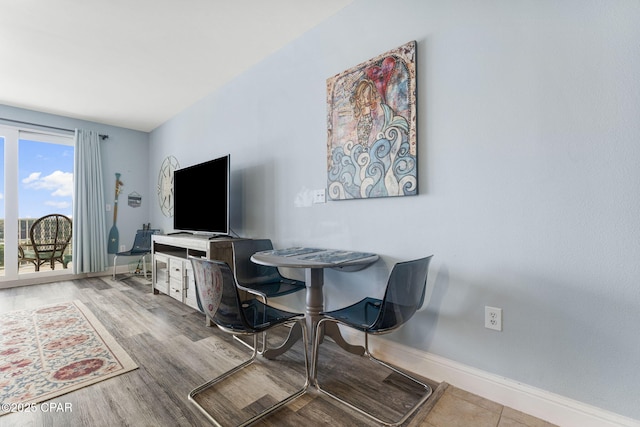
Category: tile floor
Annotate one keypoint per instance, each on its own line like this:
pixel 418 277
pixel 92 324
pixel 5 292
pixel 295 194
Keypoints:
pixel 459 408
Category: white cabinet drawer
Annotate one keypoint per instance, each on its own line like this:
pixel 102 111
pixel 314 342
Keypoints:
pixel 175 289
pixel 176 278
pixel 176 268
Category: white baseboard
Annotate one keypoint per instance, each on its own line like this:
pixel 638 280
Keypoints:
pixel 539 403
pixel 60 275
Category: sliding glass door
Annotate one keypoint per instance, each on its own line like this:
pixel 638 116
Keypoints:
pixel 36 181
pixel 2 198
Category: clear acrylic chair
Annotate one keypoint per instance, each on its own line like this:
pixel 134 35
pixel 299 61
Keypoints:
pixel 404 295
pixel 260 280
pixel 218 298
pixel 141 248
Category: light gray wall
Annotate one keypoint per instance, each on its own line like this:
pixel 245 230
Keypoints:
pixel 125 151
pixel 528 154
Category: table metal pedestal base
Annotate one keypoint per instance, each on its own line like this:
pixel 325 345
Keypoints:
pixel 314 278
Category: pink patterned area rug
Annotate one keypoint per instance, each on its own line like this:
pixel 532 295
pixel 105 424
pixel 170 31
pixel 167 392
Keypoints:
pixel 52 350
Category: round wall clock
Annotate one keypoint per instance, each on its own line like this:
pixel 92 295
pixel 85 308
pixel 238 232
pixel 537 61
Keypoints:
pixel 165 185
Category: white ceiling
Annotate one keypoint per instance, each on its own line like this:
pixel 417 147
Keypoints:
pixel 136 63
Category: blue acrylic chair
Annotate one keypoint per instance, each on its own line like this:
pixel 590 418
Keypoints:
pixel 218 297
pixel 403 297
pixel 260 280
pixel 141 248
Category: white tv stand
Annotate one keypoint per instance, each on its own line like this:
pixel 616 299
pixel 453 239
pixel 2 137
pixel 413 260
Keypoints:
pixel 171 272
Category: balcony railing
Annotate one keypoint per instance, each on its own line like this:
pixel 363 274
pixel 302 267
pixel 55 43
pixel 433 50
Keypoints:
pixel 24 241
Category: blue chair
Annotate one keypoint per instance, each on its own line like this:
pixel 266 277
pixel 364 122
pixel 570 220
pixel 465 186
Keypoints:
pixel 260 280
pixel 218 298
pixel 403 297
pixel 141 248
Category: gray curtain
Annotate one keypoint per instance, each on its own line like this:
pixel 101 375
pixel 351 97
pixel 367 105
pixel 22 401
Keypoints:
pixel 89 223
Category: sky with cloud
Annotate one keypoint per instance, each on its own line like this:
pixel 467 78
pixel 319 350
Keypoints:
pixel 45 179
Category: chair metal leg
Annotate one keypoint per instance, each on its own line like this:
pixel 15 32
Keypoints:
pixel 314 379
pixel 144 265
pixel 115 258
pixel 244 343
pixel 264 334
pixel 218 379
pixel 142 259
pixel 243 365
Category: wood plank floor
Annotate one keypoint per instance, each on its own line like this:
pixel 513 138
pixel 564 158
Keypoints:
pixel 176 352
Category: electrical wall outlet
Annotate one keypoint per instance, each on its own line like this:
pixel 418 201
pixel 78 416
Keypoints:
pixel 493 318
pixel 319 196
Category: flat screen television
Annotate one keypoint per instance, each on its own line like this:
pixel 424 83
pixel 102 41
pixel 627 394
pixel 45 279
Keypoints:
pixel 201 197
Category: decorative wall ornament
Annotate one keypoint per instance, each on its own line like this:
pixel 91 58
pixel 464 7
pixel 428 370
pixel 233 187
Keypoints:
pixel 371 128
pixel 134 199
pixel 165 185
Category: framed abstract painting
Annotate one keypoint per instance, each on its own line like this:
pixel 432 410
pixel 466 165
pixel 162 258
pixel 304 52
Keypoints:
pixel 371 128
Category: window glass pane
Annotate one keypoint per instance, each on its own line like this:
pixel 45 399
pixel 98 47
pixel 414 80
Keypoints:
pixel 45 186
pixel 45 179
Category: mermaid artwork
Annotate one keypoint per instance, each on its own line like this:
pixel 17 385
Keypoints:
pixel 371 138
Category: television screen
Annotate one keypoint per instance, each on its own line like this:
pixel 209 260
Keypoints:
pixel 201 197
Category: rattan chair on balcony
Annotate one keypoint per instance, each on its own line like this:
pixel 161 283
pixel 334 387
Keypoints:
pixel 49 237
